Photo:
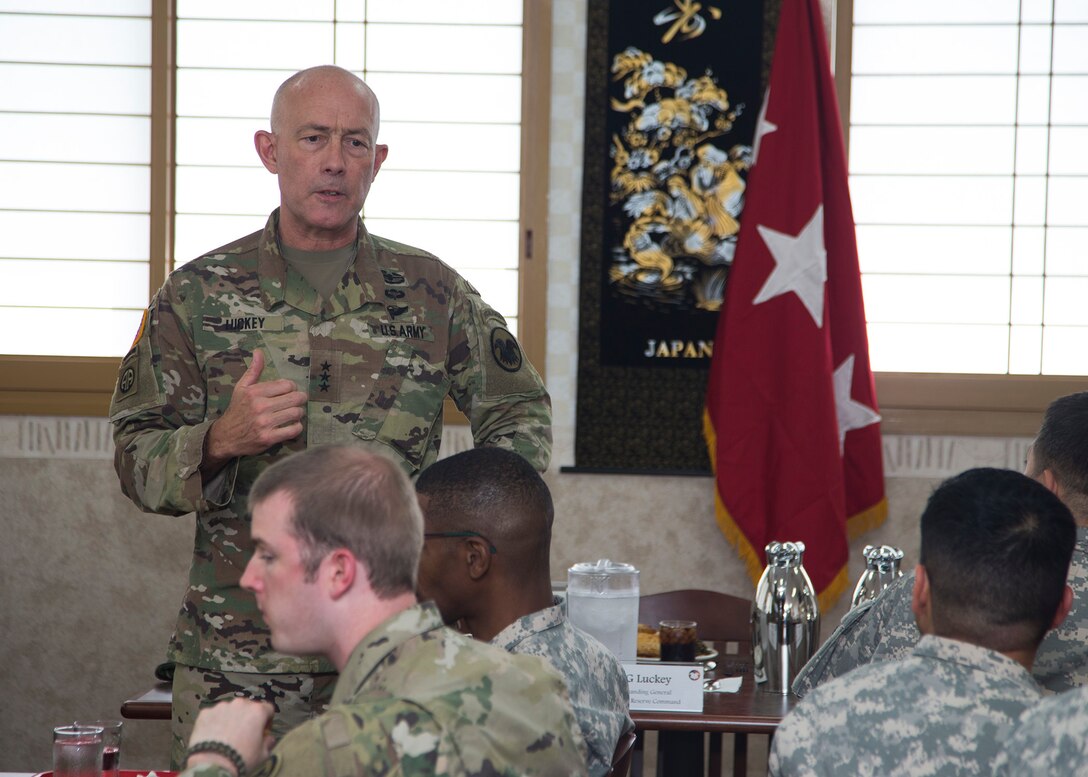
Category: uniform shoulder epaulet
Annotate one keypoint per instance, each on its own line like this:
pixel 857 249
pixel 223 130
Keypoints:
pixel 401 249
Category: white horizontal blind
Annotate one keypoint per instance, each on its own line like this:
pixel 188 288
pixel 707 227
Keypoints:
pixel 448 77
pixel 74 165
pixel 969 178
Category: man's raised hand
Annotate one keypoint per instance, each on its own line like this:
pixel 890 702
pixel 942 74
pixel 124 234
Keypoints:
pixel 259 416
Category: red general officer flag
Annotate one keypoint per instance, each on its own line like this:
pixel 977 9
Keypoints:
pixel 791 414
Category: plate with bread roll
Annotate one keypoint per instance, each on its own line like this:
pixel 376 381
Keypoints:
pixel 649 646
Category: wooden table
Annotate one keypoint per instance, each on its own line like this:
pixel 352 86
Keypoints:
pixel 750 710
pixel 153 705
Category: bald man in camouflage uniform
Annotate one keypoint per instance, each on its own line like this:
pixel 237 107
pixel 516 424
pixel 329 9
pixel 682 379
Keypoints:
pixel 310 331
pixel 338 534
pixel 995 553
pixel 884 630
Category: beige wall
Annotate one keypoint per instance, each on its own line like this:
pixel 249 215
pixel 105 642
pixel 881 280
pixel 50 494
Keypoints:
pixel 89 586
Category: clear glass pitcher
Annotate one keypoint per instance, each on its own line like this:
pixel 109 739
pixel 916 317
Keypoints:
pixel 785 618
pixel 602 599
pixel 881 570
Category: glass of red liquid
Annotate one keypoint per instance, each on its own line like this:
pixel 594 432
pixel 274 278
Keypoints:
pixel 111 744
pixel 677 640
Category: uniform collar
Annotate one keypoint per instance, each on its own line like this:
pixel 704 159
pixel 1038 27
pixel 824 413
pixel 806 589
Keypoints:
pixel 380 643
pixel 1082 541
pixel 363 283
pixel 528 625
pixel 954 651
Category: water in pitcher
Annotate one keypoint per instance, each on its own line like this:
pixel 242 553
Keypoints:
pixel 611 619
pixel 602 598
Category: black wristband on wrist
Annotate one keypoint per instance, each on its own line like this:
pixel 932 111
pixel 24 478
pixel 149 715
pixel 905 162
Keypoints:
pixel 219 748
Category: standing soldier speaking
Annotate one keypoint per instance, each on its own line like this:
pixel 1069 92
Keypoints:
pixel 311 331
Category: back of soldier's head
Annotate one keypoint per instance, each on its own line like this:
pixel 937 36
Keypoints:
pixel 996 547
pixel 1062 447
pixel 498 494
pixel 345 497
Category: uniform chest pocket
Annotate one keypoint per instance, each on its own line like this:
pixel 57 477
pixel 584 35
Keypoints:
pixel 227 355
pixel 403 409
pixel 224 367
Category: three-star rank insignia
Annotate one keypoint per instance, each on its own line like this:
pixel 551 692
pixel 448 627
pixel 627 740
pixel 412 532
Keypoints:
pixel 505 349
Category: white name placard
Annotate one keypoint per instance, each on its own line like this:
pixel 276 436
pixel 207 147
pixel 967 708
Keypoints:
pixel 665 687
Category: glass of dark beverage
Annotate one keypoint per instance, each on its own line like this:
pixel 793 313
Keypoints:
pixel 111 744
pixel 677 640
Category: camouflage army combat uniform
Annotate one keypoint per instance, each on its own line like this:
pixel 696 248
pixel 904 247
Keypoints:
pixel 377 358
pixel 417 698
pixel 595 678
pixel 884 630
pixel 945 710
pixel 1050 739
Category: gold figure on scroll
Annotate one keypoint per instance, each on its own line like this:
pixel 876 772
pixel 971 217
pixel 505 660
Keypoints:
pixel 681 194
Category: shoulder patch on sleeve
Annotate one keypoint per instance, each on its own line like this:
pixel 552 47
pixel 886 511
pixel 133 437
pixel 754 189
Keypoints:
pixel 505 350
pixel 137 387
pixel 140 331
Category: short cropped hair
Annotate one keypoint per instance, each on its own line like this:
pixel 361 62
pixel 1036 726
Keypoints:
pixel 1062 447
pixel 344 497
pixel 996 547
pixel 495 492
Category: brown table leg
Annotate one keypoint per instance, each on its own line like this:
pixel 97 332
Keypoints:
pixel 740 755
pixel 714 760
pixel 680 753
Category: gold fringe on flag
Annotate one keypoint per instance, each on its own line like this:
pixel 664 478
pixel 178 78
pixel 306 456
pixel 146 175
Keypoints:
pixel 870 518
pixel 856 525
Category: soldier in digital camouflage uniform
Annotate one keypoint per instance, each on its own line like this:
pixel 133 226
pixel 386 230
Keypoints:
pixel 338 534
pixel 310 331
pixel 995 553
pixel 486 564
pixel 884 630
pixel 1050 740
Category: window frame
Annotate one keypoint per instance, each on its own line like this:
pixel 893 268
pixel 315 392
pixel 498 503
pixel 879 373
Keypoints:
pixel 82 386
pixel 946 403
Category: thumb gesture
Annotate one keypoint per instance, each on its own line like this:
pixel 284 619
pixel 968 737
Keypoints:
pixel 253 373
pixel 259 416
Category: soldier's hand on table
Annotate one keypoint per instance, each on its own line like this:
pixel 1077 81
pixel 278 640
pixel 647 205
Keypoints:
pixel 259 416
pixel 240 723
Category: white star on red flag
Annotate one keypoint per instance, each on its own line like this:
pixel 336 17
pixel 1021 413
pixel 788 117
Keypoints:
pixel 763 127
pixel 851 413
pixel 800 265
